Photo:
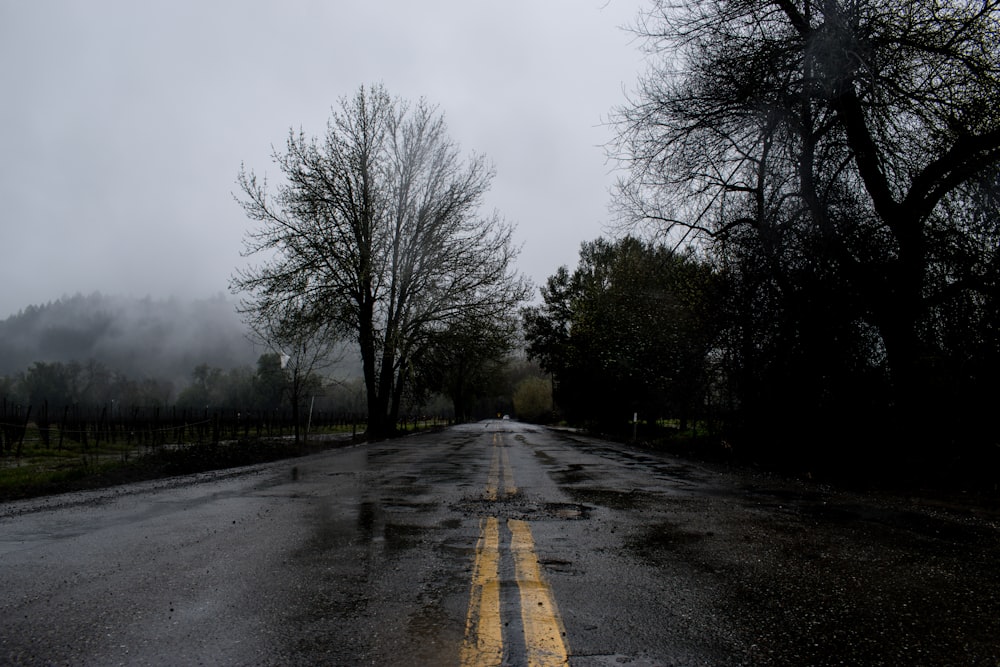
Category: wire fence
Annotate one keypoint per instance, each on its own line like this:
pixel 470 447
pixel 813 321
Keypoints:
pixel 124 429
pixel 74 427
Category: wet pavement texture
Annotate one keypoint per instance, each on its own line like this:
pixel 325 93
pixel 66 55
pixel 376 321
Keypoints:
pixel 365 555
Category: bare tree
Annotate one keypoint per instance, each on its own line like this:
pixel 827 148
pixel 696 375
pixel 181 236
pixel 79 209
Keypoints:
pixel 840 142
pixel 305 346
pixel 375 231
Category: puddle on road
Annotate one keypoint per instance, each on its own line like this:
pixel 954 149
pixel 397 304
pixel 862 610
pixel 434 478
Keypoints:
pixel 382 451
pixel 379 523
pixel 434 633
pixel 654 542
pixel 612 498
pixel 558 565
pixel 564 511
pixel 572 474
pixel 450 524
pixel 544 457
pixel 664 535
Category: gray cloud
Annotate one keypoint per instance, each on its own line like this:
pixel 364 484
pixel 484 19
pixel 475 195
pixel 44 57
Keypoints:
pixel 124 124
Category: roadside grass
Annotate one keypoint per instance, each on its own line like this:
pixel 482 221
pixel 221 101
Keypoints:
pixel 698 440
pixel 417 425
pixel 31 468
pixel 34 475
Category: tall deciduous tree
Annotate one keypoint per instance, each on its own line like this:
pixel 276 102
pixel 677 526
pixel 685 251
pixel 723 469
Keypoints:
pixel 836 148
pixel 376 228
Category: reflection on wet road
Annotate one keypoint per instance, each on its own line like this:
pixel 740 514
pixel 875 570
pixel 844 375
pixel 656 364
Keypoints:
pixel 540 642
pixel 497 543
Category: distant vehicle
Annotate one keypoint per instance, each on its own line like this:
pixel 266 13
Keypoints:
pixel 506 416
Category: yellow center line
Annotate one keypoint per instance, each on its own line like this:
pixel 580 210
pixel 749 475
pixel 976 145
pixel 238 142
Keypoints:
pixel 483 643
pixel 493 481
pixel 543 628
pixel 508 475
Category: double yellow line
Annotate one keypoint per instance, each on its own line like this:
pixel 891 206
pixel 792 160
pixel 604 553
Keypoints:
pixel 499 467
pixel 483 643
pixel 543 628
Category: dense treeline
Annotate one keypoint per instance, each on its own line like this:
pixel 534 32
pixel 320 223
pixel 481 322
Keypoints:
pixel 630 330
pixel 480 385
pixel 88 385
pixel 836 168
pixel 684 340
pixel 192 356
pixel 96 352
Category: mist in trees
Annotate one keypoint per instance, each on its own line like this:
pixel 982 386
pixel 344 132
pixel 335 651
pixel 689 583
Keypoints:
pixel 101 351
pixel 532 400
pixel 121 354
pixel 135 338
pixel 59 385
pixel 374 235
pixel 838 162
pixel 302 346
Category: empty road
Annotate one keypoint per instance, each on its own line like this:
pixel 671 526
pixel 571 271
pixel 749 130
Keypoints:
pixel 495 543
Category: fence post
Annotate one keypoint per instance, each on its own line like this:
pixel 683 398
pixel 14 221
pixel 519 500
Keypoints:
pixel 20 438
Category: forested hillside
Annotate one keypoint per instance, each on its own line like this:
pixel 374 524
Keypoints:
pixel 140 338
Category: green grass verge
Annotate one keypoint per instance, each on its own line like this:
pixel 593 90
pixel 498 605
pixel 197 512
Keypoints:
pixel 41 471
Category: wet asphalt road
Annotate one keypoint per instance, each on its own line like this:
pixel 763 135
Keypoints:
pixel 368 555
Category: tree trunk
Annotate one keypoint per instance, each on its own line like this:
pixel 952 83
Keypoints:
pixel 385 391
pixel 898 320
pixel 366 340
pixel 397 397
pixel 295 415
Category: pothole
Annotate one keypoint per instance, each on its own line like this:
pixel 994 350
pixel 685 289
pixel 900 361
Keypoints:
pixel 518 507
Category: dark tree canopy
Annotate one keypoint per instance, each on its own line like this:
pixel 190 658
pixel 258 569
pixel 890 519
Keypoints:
pixel 630 330
pixel 839 160
pixel 464 363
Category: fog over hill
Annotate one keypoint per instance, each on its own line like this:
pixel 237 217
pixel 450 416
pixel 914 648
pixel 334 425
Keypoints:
pixel 141 338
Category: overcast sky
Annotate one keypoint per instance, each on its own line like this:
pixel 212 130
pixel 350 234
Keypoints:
pixel 123 124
